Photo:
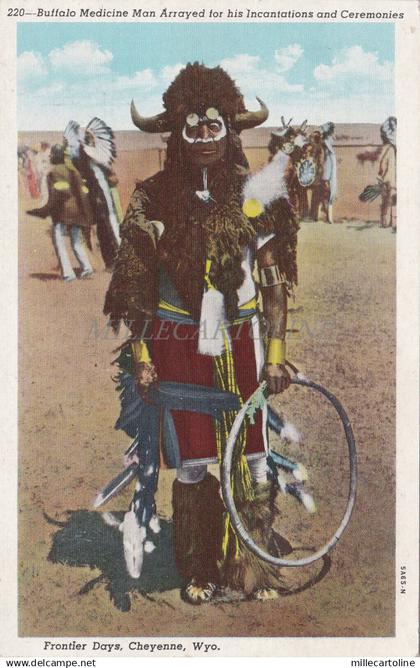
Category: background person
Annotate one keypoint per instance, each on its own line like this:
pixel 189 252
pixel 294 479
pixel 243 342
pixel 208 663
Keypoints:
pixel 69 209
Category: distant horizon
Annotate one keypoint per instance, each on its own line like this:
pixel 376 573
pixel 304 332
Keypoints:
pixel 154 140
pixel 80 70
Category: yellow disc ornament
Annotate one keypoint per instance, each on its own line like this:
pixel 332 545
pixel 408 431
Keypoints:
pixel 61 185
pixel 252 208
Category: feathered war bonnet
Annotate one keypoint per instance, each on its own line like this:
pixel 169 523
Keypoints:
pixel 327 129
pixel 389 131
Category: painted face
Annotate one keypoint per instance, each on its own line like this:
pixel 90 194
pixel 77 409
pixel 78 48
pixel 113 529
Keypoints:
pixel 204 137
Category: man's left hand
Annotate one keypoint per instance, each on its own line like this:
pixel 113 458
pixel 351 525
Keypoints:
pixel 277 377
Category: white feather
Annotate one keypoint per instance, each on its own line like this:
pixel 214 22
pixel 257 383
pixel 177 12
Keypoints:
pixel 73 136
pixel 282 481
pixel 103 184
pixel 111 520
pixel 213 337
pixel 154 524
pixel 308 502
pixel 103 151
pixel 98 501
pixel 300 141
pixel 269 183
pixel 134 537
pixel 290 433
pixel 300 473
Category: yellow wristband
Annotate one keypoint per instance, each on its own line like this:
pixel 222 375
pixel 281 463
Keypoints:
pixel 276 353
pixel 140 352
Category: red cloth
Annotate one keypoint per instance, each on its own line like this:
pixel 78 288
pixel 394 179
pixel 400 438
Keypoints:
pixel 176 359
pixel 32 181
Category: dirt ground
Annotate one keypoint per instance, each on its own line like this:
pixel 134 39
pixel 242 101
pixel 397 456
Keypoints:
pixel 342 324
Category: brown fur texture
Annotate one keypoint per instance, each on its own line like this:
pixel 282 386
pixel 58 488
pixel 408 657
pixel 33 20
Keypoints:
pixel 194 230
pixel 133 292
pixel 197 529
pixel 196 88
pixel 245 571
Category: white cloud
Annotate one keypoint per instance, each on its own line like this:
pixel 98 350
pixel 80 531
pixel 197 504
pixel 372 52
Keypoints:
pixel 354 87
pixel 51 89
pixel 354 63
pixel 288 56
pixel 143 79
pixel 81 58
pixel 254 79
pixel 242 62
pixel 169 72
pixel 30 64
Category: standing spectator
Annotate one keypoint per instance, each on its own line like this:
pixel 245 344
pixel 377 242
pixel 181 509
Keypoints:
pixel 92 152
pixel 387 173
pixel 30 158
pixel 329 176
pixel 314 153
pixel 42 166
pixel 22 171
pixel 69 209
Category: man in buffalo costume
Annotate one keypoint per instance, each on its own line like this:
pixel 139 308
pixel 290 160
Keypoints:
pixel 184 284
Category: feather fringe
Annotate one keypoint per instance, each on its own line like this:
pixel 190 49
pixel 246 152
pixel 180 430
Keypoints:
pixel 73 136
pixel 103 151
pixel 269 183
pixel 134 538
pixel 214 336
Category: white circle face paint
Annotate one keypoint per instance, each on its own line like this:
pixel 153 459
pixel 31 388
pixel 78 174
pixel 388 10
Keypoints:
pixel 216 127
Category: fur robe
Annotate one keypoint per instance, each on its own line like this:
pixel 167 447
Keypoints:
pixel 194 231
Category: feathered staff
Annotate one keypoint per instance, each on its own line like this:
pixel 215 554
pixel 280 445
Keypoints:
pixel 142 421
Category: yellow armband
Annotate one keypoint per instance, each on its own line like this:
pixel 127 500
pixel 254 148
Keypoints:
pixel 276 353
pixel 140 352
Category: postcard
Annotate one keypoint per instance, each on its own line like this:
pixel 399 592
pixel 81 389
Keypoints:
pixel 210 329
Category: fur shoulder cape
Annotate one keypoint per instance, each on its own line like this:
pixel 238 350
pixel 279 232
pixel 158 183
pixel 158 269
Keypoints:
pixel 193 231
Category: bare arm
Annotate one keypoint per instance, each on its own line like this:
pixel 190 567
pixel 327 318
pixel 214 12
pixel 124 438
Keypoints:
pixel 274 296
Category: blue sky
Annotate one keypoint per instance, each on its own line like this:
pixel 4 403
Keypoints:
pixel 335 71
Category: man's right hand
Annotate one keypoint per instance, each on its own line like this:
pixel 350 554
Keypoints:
pixel 146 376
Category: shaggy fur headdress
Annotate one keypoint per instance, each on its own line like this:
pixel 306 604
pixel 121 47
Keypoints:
pixel 196 88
